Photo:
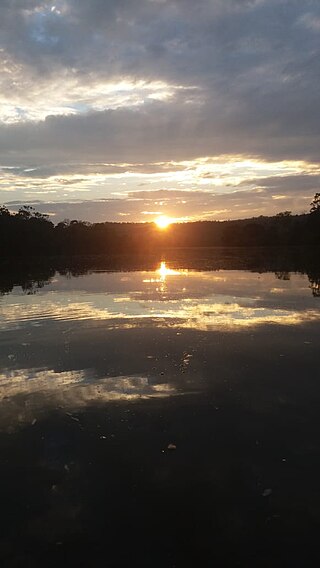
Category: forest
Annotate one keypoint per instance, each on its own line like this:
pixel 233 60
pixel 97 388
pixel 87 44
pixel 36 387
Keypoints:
pixel 29 232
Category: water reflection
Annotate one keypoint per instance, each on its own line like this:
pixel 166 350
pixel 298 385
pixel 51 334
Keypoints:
pixel 128 336
pixel 165 297
pixel 164 271
pixel 27 394
pixel 190 387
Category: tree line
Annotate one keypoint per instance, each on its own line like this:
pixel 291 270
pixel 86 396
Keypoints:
pixel 29 232
pixel 33 273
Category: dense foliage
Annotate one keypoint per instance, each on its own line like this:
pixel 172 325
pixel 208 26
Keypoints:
pixel 30 232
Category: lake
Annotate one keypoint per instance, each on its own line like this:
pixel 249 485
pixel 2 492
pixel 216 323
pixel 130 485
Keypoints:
pixel 160 412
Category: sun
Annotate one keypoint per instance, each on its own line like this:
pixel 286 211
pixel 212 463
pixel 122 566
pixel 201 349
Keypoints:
pixel 163 222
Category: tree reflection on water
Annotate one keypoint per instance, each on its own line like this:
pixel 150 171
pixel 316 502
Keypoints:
pixel 34 274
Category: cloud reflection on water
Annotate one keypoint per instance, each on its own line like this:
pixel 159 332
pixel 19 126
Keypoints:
pixel 196 300
pixel 115 336
pixel 26 393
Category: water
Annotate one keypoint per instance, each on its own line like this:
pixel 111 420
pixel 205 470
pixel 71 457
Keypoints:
pixel 160 416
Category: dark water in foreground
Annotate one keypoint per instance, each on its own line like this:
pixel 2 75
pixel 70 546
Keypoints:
pixel 160 417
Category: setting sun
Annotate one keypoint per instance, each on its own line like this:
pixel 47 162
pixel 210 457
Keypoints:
pixel 163 222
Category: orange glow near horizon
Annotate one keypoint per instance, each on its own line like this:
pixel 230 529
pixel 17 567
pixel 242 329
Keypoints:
pixel 163 222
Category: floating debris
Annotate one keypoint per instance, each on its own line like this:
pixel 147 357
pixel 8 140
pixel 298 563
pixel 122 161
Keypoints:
pixel 267 493
pixel 34 421
pixel 72 417
pixel 172 447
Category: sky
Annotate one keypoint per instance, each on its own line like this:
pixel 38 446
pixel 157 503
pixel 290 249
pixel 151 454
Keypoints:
pixel 124 110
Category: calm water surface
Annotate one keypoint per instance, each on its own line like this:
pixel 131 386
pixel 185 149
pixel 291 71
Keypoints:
pixel 160 417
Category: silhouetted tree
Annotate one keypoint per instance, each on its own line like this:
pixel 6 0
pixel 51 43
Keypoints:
pixel 282 275
pixel 284 214
pixel 4 212
pixel 29 232
pixel 315 204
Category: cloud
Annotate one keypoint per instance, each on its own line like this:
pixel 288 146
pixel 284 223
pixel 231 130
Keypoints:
pixel 90 87
pixel 225 187
pixel 180 205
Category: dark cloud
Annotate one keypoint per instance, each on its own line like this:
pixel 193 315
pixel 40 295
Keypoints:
pixel 289 183
pixel 242 77
pixel 157 133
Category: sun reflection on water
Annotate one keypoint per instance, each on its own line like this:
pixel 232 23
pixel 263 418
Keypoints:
pixel 164 271
pixel 165 296
pixel 62 348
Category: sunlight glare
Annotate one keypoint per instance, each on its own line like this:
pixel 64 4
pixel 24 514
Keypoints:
pixel 164 271
pixel 163 222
